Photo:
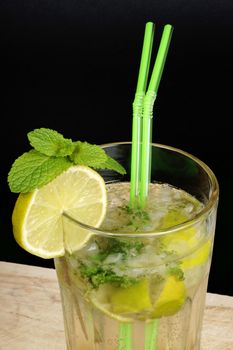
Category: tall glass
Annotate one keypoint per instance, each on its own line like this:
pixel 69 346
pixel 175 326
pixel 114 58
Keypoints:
pixel 153 314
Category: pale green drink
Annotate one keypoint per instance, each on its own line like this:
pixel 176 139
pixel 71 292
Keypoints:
pixel 140 282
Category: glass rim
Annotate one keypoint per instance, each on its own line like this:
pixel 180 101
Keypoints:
pixel 191 222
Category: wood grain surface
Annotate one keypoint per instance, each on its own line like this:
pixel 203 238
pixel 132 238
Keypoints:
pixel 31 314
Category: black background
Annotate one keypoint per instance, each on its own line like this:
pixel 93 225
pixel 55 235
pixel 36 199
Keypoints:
pixel 72 66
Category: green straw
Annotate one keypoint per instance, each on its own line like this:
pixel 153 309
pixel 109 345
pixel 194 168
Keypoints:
pixel 137 111
pixel 151 331
pixel 125 336
pixel 145 163
pixel 141 150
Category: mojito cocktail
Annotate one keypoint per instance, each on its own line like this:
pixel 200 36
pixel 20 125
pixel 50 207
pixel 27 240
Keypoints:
pixel 132 242
pixel 141 279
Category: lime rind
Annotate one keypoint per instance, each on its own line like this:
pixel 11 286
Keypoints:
pixel 37 216
pixel 135 302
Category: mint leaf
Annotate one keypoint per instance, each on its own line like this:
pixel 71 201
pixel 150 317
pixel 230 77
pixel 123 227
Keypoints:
pixel 112 164
pixel 87 154
pixel 95 157
pixel 126 248
pixel 98 269
pixel 137 217
pixel 177 272
pixel 33 170
pixel 97 275
pixel 50 142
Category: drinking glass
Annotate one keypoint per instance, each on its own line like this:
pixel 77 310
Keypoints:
pixel 111 317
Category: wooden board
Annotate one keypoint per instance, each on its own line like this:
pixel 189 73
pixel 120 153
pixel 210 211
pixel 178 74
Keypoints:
pixel 31 314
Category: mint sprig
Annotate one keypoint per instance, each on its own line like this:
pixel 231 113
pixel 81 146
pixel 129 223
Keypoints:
pixel 53 154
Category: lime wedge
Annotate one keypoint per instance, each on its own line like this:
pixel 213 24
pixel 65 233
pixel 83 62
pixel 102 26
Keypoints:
pixel 101 300
pixel 133 299
pixel 173 218
pixel 180 241
pixel 118 302
pixel 38 216
pixel 171 298
pixel 199 257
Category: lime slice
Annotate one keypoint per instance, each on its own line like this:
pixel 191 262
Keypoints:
pixel 119 303
pixel 38 216
pixel 173 218
pixel 171 298
pixel 101 300
pixel 199 257
pixel 183 240
pixel 133 299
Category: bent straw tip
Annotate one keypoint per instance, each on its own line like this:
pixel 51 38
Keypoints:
pixel 150 24
pixel 168 27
